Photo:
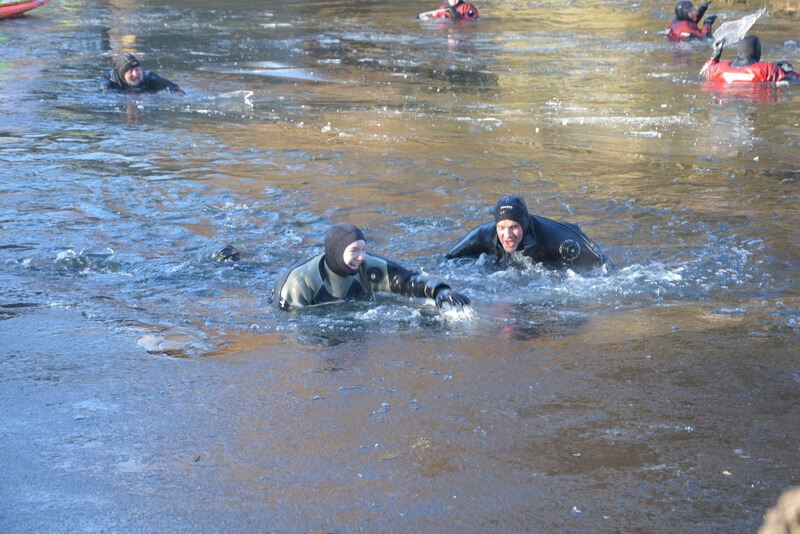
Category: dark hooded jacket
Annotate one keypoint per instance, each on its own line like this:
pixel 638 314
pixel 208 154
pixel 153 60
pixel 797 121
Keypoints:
pixel 557 245
pixel 151 82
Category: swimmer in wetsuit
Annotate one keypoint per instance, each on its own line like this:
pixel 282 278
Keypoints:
pixel 454 10
pixel 747 67
pixel 127 76
pixel 685 28
pixel 346 271
pixel 555 244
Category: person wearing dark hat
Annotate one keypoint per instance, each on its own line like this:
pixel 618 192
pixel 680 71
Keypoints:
pixel 127 76
pixel 557 245
pixel 747 67
pixel 685 26
pixel 346 271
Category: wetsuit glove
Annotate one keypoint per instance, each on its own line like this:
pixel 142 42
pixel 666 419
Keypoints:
pixel 711 19
pixel 451 297
pixel 717 52
pixel 701 10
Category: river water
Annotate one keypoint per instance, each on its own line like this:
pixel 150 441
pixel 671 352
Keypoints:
pixel 658 394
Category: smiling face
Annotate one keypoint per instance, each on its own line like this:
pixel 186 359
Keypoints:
pixel 354 253
pixel 509 233
pixel 133 76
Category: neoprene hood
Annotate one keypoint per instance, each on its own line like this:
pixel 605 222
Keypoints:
pixel 337 238
pixel 512 207
pixel 123 64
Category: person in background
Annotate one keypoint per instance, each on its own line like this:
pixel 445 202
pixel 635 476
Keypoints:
pixel 515 231
pixel 346 271
pixel 747 67
pixel 454 10
pixel 685 26
pixel 127 76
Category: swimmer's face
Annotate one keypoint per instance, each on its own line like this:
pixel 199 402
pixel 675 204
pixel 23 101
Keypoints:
pixel 509 233
pixel 453 3
pixel 133 76
pixel 354 254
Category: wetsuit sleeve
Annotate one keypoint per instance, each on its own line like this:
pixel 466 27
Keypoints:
pixel 105 82
pixel 386 275
pixel 701 10
pixel 154 82
pixel 479 241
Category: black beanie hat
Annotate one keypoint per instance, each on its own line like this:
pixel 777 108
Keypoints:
pixel 123 64
pixel 512 207
pixel 682 9
pixel 337 238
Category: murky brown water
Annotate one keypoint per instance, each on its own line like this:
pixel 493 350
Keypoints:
pixel 661 395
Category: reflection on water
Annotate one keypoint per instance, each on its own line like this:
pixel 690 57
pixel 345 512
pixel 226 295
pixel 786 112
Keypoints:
pixel 302 114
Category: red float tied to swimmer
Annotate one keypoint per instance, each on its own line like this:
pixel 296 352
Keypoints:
pixel 460 11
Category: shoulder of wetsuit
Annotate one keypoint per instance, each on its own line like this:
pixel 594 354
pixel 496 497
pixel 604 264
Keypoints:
pixel 309 269
pixel 482 239
pixel 106 81
pixel 153 82
pixel 401 280
pixel 377 267
pixel 566 243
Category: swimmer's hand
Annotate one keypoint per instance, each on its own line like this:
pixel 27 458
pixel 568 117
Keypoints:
pixel 701 10
pixel 445 295
pixel 717 52
pixel 711 19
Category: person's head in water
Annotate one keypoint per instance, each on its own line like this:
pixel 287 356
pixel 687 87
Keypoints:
pixel 748 51
pixel 453 3
pixel 128 69
pixel 511 219
pixel 684 10
pixel 345 247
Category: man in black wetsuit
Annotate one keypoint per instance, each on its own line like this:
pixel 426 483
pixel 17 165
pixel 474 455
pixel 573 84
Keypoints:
pixel 557 245
pixel 128 76
pixel 346 271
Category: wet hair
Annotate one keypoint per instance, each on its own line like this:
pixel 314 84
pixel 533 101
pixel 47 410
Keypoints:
pixel 682 9
pixel 337 239
pixel 748 51
pixel 512 207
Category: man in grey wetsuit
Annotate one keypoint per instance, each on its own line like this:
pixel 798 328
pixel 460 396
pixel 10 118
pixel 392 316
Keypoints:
pixel 555 244
pixel 128 76
pixel 346 271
